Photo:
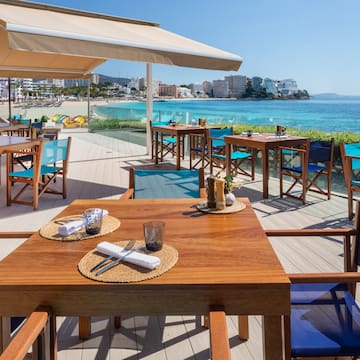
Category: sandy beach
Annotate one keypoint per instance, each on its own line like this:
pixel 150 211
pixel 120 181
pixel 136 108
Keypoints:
pixel 70 108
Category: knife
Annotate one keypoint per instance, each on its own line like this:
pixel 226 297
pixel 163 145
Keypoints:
pixel 119 260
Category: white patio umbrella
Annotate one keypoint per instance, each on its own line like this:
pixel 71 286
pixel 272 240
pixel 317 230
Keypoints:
pixel 43 41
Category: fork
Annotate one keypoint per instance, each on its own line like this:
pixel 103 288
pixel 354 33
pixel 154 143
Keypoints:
pixel 128 246
pixel 119 260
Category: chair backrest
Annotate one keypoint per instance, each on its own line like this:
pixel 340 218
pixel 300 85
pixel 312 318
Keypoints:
pixel 350 150
pixel 321 151
pixel 166 184
pixel 36 125
pixel 56 150
pixel 218 134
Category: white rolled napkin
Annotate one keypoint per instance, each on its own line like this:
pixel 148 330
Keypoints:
pixel 277 137
pixel 70 227
pixel 144 260
pixel 73 226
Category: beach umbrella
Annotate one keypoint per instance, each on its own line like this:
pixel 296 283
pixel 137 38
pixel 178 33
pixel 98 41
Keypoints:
pixel 38 40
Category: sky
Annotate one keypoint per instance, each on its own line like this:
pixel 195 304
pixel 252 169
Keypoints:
pixel 315 42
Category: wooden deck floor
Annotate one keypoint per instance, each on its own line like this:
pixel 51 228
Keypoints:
pixel 98 169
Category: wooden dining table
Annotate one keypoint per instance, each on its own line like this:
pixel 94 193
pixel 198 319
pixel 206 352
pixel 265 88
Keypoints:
pixel 13 143
pixel 179 131
pixel 262 142
pixel 18 129
pixel 223 260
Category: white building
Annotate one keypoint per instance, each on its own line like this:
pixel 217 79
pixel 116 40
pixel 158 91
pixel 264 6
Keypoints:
pixel 270 86
pixel 237 85
pixel 220 88
pixel 288 87
pixel 184 92
pixel 197 90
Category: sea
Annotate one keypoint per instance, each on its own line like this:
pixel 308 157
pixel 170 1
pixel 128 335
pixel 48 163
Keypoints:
pixel 325 113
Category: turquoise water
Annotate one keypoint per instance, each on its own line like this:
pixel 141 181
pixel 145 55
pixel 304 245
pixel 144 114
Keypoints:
pixel 327 115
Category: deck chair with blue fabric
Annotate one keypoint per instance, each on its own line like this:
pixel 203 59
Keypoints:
pixel 50 159
pixel 315 164
pixel 239 155
pixel 325 317
pixel 350 156
pixel 165 184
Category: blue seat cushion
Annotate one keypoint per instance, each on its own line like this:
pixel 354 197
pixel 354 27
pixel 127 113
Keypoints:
pixel 236 155
pixel 29 173
pixel 166 184
pixel 311 168
pixel 325 321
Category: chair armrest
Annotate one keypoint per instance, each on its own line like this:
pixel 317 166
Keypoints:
pixel 16 234
pixel 353 156
pixel 311 232
pixel 35 324
pixel 128 194
pixel 343 277
pixel 219 340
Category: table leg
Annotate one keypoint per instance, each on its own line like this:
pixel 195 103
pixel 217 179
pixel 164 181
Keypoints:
pixel 178 152
pixel 227 158
pixel 156 147
pixel 272 335
pixel 265 168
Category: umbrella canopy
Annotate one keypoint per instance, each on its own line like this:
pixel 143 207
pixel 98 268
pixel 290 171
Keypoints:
pixel 39 40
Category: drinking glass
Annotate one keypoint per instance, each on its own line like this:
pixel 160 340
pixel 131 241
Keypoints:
pixel 93 220
pixel 154 235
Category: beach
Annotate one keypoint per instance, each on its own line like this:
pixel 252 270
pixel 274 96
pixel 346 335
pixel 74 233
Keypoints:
pixel 67 107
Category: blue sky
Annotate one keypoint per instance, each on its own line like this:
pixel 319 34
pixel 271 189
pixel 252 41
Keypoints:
pixel 315 42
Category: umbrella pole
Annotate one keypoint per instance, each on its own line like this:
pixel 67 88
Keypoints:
pixel 9 97
pixel 149 106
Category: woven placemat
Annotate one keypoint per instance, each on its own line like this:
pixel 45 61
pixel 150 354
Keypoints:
pixel 235 207
pixel 50 230
pixel 126 272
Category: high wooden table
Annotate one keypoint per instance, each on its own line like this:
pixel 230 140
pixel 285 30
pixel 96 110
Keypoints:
pixel 262 142
pixel 223 260
pixel 179 131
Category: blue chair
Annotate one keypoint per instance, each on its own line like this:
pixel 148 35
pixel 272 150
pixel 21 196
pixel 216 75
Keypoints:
pixel 167 143
pixel 239 155
pixel 50 159
pixel 165 184
pixel 350 156
pixel 325 318
pixel 315 162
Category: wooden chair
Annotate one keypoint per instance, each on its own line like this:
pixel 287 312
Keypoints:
pixel 162 184
pixel 313 295
pixel 239 155
pixel 350 156
pixel 38 332
pixel 50 160
pixel 219 339
pixel 315 162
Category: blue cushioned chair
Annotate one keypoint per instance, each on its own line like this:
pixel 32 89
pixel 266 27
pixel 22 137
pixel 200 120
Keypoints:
pixel 350 156
pixel 315 161
pixel 167 144
pixel 165 184
pixel 325 318
pixel 238 155
pixel 50 159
